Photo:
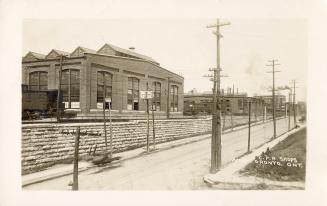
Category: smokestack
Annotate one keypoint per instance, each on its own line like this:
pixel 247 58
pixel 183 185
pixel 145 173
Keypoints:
pixel 233 89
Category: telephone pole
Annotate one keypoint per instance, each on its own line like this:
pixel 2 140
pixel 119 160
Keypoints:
pixel 168 97
pixel 59 89
pixel 289 109
pixel 294 94
pixel 273 64
pixel 216 120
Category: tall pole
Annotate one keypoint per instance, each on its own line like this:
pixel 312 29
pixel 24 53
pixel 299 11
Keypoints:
pixel 59 89
pixel 75 171
pixel 153 130
pixel 294 109
pixel 147 124
pixel 223 102
pixel 249 128
pixel 104 120
pixel 273 94
pixel 289 110
pixel 213 168
pixel 110 124
pixel 263 110
pixel 216 138
pixel 168 98
pixel 255 114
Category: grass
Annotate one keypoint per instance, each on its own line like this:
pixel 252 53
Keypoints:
pixel 288 169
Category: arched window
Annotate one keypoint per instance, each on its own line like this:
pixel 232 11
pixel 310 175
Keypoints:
pixel 156 87
pixel 70 88
pixel 104 89
pixel 173 98
pixel 133 93
pixel 38 81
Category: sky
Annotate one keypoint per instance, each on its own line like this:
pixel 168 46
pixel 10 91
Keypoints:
pixel 187 47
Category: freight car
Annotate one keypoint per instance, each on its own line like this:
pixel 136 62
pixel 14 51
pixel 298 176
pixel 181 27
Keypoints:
pixel 39 104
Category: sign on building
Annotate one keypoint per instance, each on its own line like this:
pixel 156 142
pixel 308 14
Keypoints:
pixel 146 94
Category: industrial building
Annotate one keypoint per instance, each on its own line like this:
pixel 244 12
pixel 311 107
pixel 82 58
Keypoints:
pixel 113 73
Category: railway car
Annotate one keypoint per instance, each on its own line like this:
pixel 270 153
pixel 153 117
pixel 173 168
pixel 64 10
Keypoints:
pixel 39 104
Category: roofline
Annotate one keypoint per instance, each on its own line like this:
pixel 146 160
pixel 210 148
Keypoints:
pixel 127 53
pixel 143 60
pixel 56 59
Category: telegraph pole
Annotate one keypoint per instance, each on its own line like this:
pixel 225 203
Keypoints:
pixel 59 88
pixel 216 123
pixel 289 110
pixel 294 109
pixel 168 98
pixel 273 64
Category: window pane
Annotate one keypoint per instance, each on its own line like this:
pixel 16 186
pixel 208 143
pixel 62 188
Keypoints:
pixel 74 90
pixel 108 91
pixel 108 79
pixel 100 94
pixel 100 78
pixel 33 88
pixel 130 83
pixel 74 77
pixel 65 77
pixel 136 94
pixel 74 98
pixel 135 84
pixel 44 78
pixel 34 78
pixel 43 88
pixel 158 87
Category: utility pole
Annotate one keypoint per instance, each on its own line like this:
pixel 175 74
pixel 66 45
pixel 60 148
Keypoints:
pixel 59 88
pixel 76 151
pixel 273 64
pixel 147 122
pixel 153 130
pixel 263 110
pixel 249 128
pixel 110 127
pixel 255 112
pixel 168 98
pixel 289 110
pixel 216 123
pixel 294 94
pixel 104 120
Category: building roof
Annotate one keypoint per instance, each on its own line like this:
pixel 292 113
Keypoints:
pixel 55 52
pixel 38 55
pixel 32 56
pixel 79 51
pixel 128 52
pixel 87 50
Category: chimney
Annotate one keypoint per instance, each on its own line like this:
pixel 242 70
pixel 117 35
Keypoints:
pixel 233 89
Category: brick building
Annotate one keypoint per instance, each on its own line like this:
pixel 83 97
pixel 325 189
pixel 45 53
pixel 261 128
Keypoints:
pixel 89 76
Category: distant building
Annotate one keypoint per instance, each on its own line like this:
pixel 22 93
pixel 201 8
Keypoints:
pixel 112 73
pixel 280 101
